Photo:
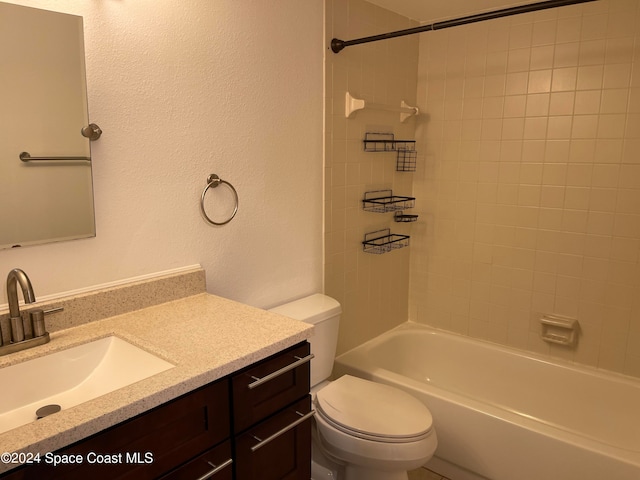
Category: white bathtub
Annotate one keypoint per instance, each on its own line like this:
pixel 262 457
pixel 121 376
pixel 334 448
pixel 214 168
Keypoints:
pixel 504 414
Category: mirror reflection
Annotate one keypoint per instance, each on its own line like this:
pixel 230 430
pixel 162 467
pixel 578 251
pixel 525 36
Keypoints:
pixel 46 195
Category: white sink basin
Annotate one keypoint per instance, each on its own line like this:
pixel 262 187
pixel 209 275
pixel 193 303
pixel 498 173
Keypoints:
pixel 70 377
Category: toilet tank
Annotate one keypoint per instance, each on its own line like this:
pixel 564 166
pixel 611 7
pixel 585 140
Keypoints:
pixel 324 313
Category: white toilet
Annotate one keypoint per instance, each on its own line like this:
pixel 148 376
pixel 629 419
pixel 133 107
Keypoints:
pixel 364 430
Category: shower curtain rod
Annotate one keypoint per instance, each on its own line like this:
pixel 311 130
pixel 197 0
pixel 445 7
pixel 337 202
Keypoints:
pixel 337 45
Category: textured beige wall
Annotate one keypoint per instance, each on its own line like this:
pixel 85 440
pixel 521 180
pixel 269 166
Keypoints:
pixel 182 90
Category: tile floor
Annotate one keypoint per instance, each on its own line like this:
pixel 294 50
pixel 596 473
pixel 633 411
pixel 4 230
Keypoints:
pixel 424 474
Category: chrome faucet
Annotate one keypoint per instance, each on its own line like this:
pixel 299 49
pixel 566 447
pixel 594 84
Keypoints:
pixel 17 333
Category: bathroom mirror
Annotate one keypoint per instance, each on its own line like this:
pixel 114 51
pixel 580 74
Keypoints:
pixel 43 109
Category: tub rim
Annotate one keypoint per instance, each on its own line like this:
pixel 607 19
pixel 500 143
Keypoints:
pixel 357 359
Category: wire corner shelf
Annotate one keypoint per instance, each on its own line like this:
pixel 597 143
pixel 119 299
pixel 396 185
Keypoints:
pixel 402 217
pixel 383 241
pixel 406 160
pixel 386 142
pixel 383 201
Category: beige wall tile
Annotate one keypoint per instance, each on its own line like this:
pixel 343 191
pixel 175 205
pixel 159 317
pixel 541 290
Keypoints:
pixel 373 289
pixel 527 183
pixel 556 228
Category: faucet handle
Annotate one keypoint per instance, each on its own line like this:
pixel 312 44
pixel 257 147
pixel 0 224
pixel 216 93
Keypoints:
pixel 5 331
pixel 17 329
pixel 53 310
pixel 37 320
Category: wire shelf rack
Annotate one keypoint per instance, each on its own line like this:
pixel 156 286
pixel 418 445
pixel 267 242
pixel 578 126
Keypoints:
pixel 406 160
pixel 383 201
pixel 386 142
pixel 403 217
pixel 383 241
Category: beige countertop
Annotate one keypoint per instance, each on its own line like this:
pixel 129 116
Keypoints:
pixel 206 337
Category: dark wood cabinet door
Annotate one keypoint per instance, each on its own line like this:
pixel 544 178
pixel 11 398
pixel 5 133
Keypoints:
pixel 149 445
pixel 283 451
pixel 253 404
pixel 215 464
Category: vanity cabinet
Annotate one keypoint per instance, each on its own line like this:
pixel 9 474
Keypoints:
pixel 285 457
pixel 149 445
pixel 240 430
pixel 272 442
pixel 216 464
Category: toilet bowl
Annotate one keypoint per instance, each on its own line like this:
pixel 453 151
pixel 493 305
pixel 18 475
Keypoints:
pixel 375 431
pixel 363 430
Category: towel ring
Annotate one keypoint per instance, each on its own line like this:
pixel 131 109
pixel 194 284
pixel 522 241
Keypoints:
pixel 214 181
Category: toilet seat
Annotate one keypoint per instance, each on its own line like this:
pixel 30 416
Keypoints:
pixel 373 411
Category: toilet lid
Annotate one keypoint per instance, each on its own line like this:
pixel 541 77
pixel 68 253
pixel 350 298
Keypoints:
pixel 368 409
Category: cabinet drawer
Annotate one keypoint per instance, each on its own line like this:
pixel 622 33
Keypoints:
pixel 278 448
pixel 151 444
pixel 216 460
pixel 266 387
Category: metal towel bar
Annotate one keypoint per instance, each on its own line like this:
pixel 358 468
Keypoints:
pixel 26 157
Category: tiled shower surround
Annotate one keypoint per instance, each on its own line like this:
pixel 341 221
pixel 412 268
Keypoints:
pixel 372 289
pixel 531 181
pixel 527 183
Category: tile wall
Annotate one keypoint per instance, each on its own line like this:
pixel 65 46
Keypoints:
pixel 529 181
pixel 373 289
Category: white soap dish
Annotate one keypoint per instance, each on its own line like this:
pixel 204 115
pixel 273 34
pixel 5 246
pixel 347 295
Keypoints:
pixel 560 330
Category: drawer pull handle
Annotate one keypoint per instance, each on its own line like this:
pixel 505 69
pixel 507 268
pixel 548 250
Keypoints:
pixel 215 470
pixel 277 373
pixel 295 423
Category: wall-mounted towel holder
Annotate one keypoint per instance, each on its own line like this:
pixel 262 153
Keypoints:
pixel 353 104
pixel 26 158
pixel 213 181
